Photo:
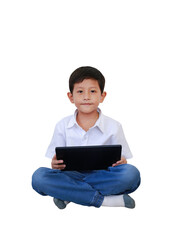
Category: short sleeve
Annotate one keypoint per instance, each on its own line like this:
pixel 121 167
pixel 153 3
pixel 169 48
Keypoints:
pixel 120 139
pixel 58 140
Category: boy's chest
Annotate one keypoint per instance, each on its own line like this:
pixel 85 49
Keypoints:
pixel 79 137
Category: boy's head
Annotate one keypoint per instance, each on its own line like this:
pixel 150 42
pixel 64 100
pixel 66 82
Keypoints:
pixel 87 72
pixel 86 89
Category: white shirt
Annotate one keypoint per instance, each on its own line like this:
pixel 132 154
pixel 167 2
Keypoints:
pixel 106 131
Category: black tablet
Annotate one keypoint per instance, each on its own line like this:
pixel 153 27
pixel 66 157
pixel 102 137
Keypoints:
pixel 84 158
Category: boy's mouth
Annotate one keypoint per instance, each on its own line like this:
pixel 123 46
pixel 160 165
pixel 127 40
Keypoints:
pixel 86 104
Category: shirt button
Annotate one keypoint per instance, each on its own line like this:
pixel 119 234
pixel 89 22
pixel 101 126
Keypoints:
pixel 85 138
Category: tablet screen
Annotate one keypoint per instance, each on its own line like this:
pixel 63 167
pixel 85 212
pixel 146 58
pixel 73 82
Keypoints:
pixel 84 158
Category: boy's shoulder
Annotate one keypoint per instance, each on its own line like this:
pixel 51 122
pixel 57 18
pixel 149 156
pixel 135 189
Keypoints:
pixel 110 120
pixel 65 121
pixel 109 125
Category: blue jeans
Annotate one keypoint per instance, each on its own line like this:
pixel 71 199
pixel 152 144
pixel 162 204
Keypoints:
pixel 86 188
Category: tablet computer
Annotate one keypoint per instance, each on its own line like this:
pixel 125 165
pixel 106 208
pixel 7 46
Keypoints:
pixel 84 158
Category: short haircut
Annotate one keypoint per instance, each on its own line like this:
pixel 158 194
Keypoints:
pixel 87 72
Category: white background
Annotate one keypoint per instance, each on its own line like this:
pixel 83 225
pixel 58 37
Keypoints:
pixel 41 43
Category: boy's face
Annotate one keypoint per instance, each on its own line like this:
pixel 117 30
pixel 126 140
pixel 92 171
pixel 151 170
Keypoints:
pixel 87 95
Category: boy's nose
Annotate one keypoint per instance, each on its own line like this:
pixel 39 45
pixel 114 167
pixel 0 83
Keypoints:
pixel 86 96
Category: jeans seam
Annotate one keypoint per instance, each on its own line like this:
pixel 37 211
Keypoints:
pixel 97 200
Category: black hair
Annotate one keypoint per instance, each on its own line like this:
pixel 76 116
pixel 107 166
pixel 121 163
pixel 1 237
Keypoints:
pixel 87 72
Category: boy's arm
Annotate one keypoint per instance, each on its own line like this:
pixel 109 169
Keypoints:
pixel 57 164
pixel 122 161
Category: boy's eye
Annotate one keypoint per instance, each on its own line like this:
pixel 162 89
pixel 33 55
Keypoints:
pixel 81 91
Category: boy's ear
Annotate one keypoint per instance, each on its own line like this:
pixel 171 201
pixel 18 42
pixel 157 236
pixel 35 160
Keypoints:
pixel 70 96
pixel 103 96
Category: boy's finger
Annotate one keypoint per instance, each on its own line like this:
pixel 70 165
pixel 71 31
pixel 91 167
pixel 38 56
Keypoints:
pixel 113 165
pixel 61 167
pixel 59 161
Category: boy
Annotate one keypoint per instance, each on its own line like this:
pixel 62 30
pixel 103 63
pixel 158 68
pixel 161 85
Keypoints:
pixel 88 126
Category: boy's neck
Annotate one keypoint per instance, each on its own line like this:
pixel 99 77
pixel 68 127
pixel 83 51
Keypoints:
pixel 87 120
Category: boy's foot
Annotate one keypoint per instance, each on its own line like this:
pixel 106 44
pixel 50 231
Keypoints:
pixel 60 203
pixel 129 202
pixel 119 201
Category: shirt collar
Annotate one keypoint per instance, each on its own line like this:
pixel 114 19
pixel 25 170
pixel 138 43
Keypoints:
pixel 99 123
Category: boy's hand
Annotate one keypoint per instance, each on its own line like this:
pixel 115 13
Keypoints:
pixel 57 164
pixel 122 161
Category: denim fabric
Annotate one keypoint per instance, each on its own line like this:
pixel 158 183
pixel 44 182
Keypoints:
pixel 86 188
